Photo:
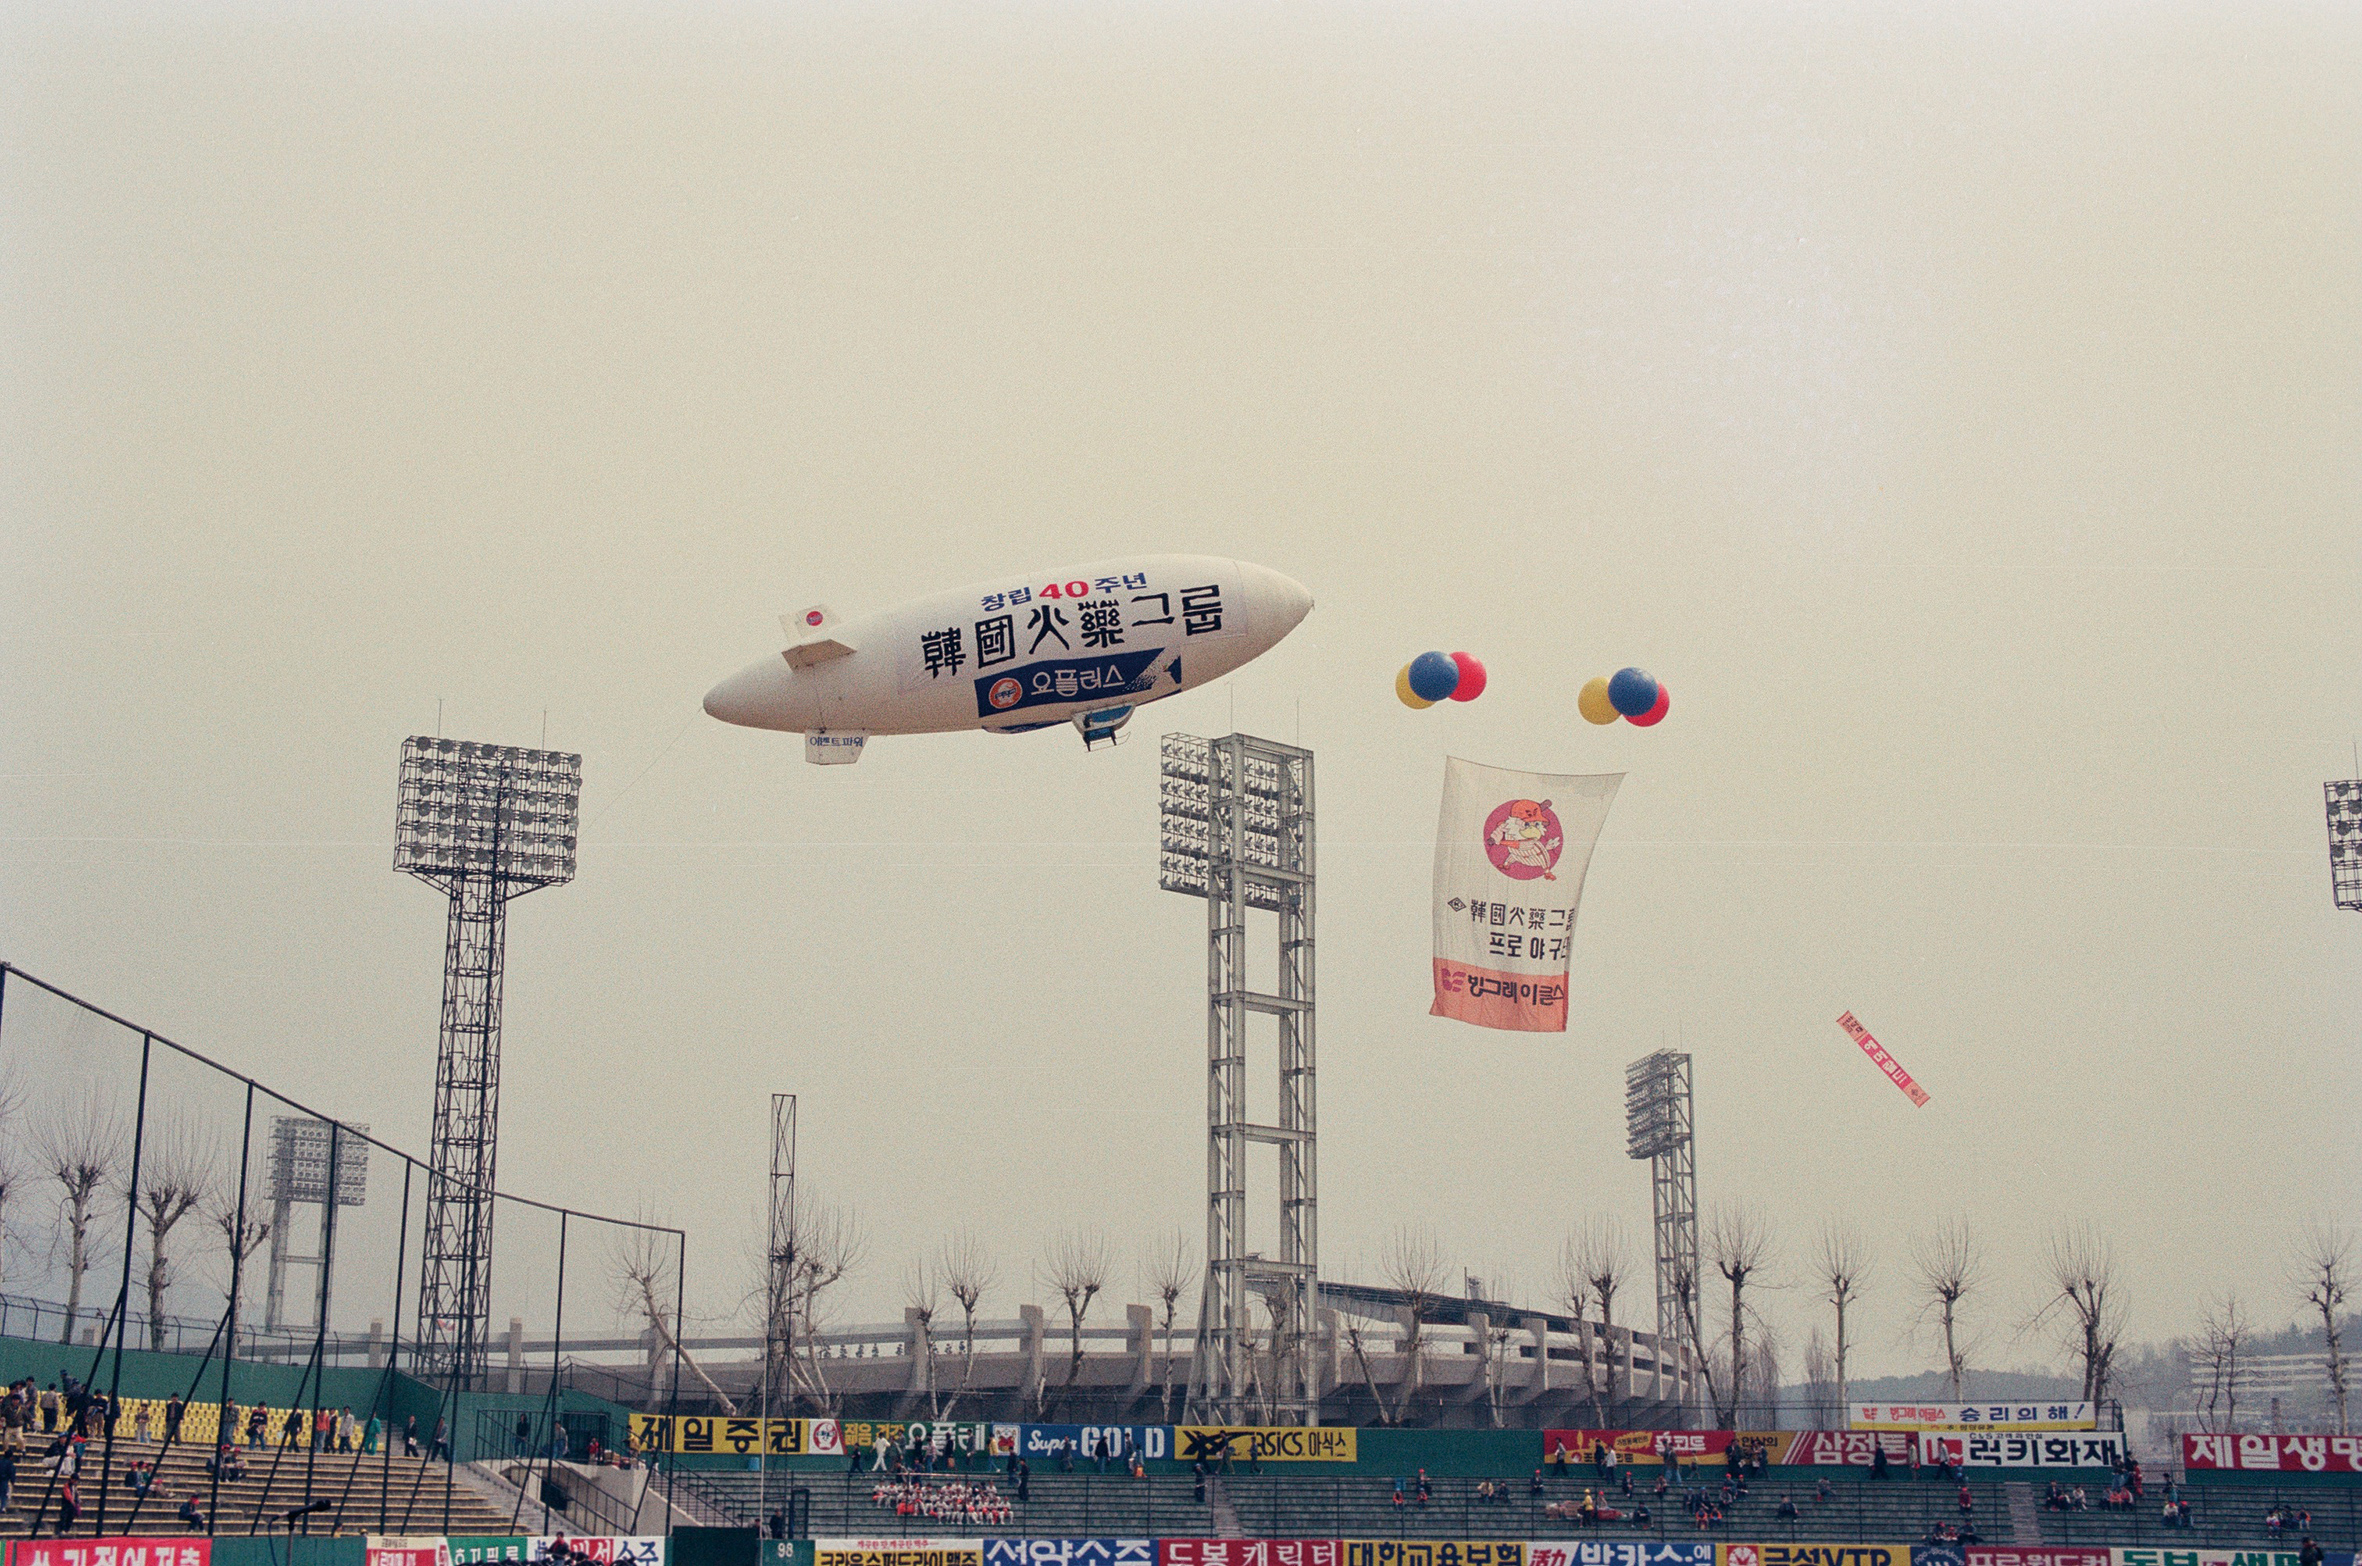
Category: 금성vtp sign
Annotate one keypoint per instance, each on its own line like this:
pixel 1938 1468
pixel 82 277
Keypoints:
pixel 1886 1063
pixel 1511 851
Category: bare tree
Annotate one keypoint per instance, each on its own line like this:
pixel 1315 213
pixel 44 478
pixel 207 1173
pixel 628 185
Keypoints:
pixel 240 1239
pixel 823 1244
pixel 1820 1384
pixel 922 1299
pixel 176 1170
pixel 80 1146
pixel 1841 1265
pixel 1738 1245
pixel 967 1271
pixel 2084 1303
pixel 1077 1268
pixel 1949 1266
pixel 2223 1331
pixel 1166 1275
pixel 640 1264
pixel 1600 1253
pixel 12 1166
pixel 1412 1265
pixel 2323 1273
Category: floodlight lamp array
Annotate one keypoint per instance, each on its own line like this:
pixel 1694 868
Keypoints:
pixel 1652 1113
pixel 468 809
pixel 1185 795
pixel 299 1161
pixel 2344 800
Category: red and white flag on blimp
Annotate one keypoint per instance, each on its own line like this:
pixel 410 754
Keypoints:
pixel 1511 849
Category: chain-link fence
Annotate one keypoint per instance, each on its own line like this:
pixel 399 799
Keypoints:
pixel 211 1313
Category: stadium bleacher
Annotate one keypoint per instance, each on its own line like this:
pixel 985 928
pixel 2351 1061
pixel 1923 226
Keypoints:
pixel 411 1491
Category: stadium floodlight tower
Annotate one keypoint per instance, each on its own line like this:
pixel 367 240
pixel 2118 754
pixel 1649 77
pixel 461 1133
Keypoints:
pixel 1657 1124
pixel 300 1150
pixel 1235 828
pixel 2345 842
pixel 485 823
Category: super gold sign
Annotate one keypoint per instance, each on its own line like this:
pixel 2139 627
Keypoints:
pixel 1265 1443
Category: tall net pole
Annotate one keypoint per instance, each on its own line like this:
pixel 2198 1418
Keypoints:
pixel 779 1278
pixel 1657 1126
pixel 1236 829
pixel 484 824
pixel 2344 801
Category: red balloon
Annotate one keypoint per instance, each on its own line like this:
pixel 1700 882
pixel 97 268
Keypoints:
pixel 1471 683
pixel 1655 714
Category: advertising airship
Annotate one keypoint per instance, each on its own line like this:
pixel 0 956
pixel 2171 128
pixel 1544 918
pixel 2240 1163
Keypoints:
pixel 1086 645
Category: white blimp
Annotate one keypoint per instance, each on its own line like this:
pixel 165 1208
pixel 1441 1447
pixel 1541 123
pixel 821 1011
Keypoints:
pixel 1086 646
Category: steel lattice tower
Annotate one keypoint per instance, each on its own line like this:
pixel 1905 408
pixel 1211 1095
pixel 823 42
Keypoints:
pixel 484 823
pixel 1657 1124
pixel 1236 830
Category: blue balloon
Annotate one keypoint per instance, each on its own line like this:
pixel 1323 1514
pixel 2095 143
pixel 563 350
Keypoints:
pixel 1631 692
pixel 1434 676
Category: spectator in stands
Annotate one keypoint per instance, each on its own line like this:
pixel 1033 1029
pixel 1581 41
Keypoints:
pixel 1025 1482
pixel 255 1420
pixel 1878 1460
pixel 2309 1554
pixel 1426 1489
pixel 775 1526
pixel 7 1476
pixel 2077 1500
pixel 69 1507
pixel 1641 1517
pixel 141 1477
pixel 1967 1502
pixel 1662 1485
pixel 1934 1534
pixel 191 1516
pixel 1787 1507
pixel 1821 1492
pixel 1624 1477
pixel 441 1451
pixel 173 1409
pixel 522 1443
pixel 139 1425
pixel 372 1433
pixel 1534 1485
pixel 409 1434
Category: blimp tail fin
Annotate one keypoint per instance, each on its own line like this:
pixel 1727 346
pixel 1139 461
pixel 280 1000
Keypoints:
pixel 812 637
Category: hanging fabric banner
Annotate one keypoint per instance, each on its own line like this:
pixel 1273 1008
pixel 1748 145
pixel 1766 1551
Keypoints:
pixel 1511 850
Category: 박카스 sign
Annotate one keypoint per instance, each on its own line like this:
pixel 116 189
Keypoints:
pixel 2087 1449
pixel 2310 1454
pixel 1562 1552
pixel 1266 1443
pixel 2024 1415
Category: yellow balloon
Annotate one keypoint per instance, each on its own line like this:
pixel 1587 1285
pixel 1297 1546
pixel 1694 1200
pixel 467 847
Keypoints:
pixel 1593 703
pixel 1411 698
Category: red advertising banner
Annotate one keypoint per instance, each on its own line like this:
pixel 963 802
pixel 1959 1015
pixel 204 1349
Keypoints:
pixel 1982 1555
pixel 2300 1454
pixel 1247 1552
pixel 113 1552
pixel 1636 1446
pixel 1886 1063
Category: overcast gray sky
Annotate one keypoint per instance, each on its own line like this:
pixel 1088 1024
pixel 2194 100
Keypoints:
pixel 1956 405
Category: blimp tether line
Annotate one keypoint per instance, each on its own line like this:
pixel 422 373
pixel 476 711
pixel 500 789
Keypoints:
pixel 1087 645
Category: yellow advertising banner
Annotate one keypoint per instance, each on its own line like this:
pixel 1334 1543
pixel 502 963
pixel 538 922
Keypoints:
pixel 1271 1444
pixel 897 1552
pixel 1814 1554
pixel 742 1437
pixel 1433 1552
